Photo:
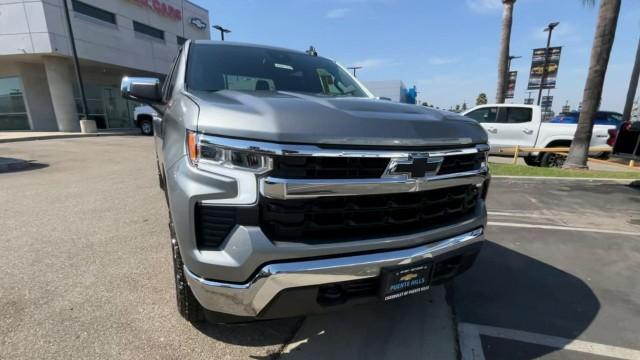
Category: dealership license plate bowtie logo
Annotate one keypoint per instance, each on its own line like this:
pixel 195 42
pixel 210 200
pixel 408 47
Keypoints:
pixel 417 166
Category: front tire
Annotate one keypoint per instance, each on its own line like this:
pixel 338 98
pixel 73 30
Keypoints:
pixel 188 306
pixel 552 160
pixel 531 160
pixel 146 127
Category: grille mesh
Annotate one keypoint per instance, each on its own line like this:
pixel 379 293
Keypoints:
pixel 461 163
pixel 359 217
pixel 302 167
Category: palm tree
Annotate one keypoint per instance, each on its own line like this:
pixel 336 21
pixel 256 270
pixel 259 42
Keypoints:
pixel 633 85
pixel 503 57
pixel 600 51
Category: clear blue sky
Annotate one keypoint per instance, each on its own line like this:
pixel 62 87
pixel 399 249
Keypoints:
pixel 448 49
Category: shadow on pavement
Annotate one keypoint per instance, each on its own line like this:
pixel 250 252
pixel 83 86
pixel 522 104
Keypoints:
pixel 253 334
pixel 11 165
pixel 510 290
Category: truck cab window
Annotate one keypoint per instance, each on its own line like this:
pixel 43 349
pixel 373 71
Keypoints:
pixel 516 115
pixel 484 115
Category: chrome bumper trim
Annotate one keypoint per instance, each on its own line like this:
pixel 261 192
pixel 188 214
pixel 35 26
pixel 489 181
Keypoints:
pixel 251 298
pixel 283 189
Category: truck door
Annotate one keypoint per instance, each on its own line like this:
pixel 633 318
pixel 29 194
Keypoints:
pixel 515 126
pixel 488 117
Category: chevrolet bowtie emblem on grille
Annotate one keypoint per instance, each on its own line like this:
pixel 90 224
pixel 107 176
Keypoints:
pixel 417 166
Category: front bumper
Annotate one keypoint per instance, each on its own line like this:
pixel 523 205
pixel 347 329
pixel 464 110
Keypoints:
pixel 254 297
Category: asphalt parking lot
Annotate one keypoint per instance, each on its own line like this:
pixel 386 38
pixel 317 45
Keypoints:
pixel 86 273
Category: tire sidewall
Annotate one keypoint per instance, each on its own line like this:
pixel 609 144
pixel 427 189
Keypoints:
pixel 146 127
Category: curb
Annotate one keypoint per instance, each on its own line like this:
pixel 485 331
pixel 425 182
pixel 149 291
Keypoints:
pixel 563 178
pixel 66 136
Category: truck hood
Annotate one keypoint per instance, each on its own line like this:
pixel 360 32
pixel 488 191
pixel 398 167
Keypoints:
pixel 306 119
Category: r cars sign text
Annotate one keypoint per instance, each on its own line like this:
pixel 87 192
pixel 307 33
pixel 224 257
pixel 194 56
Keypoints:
pixel 161 8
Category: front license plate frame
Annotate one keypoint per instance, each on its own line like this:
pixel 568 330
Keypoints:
pixel 402 280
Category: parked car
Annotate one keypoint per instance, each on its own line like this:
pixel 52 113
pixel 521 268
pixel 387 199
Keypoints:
pixel 291 189
pixel 143 118
pixel 602 118
pixel 627 144
pixel 511 125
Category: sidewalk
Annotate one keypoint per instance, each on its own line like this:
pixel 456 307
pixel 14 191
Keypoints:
pixel 14 136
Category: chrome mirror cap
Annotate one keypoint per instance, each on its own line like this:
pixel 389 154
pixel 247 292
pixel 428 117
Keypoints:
pixel 143 89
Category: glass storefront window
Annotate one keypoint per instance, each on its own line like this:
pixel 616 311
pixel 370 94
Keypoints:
pixel 106 106
pixel 13 112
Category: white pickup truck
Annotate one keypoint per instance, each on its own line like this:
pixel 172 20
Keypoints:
pixel 143 116
pixel 509 125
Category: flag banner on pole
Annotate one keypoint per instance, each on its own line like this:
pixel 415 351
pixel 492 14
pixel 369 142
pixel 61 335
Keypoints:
pixel 537 68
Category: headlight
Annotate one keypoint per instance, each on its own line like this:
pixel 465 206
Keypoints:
pixel 201 152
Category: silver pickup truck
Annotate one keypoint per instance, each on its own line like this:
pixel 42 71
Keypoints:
pixel 292 190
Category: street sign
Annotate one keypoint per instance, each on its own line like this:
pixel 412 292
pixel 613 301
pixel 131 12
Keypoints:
pixel 537 68
pixel 528 101
pixel 511 85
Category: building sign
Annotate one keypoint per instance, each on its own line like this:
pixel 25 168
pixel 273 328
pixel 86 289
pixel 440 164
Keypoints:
pixel 198 23
pixel 160 7
pixel 546 103
pixel 511 85
pixel 537 68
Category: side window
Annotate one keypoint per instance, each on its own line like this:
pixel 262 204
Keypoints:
pixel 516 115
pixel 484 115
pixel 170 81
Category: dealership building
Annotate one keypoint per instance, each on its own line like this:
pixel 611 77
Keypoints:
pixel 114 38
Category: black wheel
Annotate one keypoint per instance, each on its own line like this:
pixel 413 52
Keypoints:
pixel 531 160
pixel 552 160
pixel 188 305
pixel 146 126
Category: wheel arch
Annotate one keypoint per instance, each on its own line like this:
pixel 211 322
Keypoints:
pixel 142 117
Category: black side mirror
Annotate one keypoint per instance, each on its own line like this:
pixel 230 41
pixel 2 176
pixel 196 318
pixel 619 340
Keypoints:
pixel 146 90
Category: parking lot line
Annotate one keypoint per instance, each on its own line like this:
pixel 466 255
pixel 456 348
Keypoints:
pixel 505 213
pixel 470 342
pixel 471 347
pixel 566 228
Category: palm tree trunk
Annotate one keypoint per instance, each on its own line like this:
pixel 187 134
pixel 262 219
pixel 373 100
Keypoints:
pixel 600 51
pixel 503 57
pixel 633 85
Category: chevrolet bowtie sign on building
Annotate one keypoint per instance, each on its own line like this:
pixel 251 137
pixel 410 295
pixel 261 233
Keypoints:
pixel 198 23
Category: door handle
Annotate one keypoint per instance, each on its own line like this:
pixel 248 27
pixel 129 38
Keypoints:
pixel 492 130
pixel 527 131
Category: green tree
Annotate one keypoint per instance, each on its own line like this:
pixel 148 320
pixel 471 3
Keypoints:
pixel 457 108
pixel 600 51
pixel 464 106
pixel 503 56
pixel 481 99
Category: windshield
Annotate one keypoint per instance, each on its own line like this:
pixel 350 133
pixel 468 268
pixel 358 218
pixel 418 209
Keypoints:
pixel 216 67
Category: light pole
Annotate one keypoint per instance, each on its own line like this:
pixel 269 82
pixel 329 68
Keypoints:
pixel 76 63
pixel 549 28
pixel 222 31
pixel 354 68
